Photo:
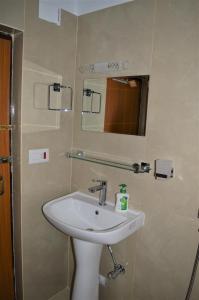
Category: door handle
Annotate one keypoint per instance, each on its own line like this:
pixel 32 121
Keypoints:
pixel 1 185
pixel 5 159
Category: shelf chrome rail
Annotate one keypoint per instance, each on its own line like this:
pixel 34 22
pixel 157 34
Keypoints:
pixel 135 167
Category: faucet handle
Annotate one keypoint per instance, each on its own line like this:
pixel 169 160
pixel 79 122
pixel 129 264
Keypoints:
pixel 102 182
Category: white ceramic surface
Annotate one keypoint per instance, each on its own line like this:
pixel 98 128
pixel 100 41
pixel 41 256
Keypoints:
pixel 80 216
pixel 86 283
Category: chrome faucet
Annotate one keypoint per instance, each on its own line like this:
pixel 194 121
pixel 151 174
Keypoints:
pixel 102 188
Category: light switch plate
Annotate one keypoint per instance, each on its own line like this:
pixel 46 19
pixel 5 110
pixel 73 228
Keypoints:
pixel 38 156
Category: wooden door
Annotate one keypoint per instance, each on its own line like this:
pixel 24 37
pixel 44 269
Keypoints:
pixel 6 253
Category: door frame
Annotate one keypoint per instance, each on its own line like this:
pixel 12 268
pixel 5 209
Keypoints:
pixel 15 120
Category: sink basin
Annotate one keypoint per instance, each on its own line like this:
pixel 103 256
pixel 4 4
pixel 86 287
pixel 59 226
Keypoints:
pixel 80 216
pixel 91 226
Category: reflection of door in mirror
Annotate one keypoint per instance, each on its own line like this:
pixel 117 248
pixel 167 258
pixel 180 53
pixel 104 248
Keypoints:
pixel 122 106
pixel 115 104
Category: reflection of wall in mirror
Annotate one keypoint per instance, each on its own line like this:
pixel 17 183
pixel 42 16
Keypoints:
pixel 95 121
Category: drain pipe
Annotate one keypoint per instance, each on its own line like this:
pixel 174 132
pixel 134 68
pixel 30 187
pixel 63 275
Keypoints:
pixel 118 268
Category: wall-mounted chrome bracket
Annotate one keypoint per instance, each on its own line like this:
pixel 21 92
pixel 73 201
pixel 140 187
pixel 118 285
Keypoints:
pixel 164 169
pixel 141 168
pixel 57 87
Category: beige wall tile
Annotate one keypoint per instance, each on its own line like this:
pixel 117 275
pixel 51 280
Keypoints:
pixel 158 38
pixel 49 56
pixel 63 295
pixel 12 13
pixel 110 35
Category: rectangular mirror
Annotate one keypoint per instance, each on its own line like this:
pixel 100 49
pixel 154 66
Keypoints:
pixel 115 104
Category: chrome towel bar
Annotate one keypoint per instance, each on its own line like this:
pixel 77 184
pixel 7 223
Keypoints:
pixel 135 167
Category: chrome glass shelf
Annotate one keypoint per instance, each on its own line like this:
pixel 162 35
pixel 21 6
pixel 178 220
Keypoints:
pixel 135 167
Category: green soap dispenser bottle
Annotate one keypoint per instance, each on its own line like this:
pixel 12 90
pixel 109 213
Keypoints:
pixel 122 199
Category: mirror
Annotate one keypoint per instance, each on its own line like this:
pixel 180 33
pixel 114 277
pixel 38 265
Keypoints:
pixel 115 104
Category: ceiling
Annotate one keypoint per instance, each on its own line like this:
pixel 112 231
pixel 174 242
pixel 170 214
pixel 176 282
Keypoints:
pixel 81 7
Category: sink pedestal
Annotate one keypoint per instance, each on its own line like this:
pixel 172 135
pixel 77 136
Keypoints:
pixel 86 285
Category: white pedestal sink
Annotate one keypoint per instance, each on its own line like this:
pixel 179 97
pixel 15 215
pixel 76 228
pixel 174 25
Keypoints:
pixel 86 285
pixel 91 226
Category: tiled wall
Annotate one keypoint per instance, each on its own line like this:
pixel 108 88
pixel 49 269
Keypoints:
pixel 158 38
pixel 12 13
pixel 49 56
